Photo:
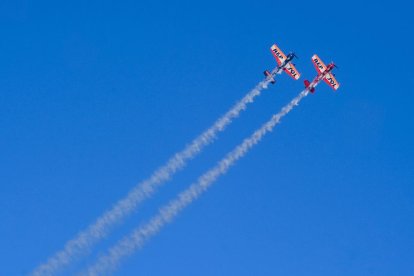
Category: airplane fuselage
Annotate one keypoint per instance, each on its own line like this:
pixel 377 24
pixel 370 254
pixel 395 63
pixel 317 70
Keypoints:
pixel 320 76
pixel 283 65
pixel 288 59
pixel 324 73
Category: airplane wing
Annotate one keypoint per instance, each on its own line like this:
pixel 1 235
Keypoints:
pixel 278 54
pixel 331 81
pixel 318 63
pixel 291 71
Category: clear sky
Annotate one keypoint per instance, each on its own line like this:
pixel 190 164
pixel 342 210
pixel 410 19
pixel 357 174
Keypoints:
pixel 95 95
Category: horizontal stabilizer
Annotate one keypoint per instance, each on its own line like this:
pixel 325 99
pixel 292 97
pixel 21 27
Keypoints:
pixel 269 76
pixel 307 83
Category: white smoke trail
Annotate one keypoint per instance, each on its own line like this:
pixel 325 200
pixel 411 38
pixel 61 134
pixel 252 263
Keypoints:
pixel 84 241
pixel 139 236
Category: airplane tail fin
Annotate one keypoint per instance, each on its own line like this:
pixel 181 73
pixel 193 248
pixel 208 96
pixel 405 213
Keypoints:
pixel 307 83
pixel 269 75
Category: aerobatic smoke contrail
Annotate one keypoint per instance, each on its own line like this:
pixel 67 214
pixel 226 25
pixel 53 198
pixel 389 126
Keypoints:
pixel 166 214
pixel 84 241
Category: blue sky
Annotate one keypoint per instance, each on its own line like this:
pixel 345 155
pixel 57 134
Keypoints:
pixel 95 96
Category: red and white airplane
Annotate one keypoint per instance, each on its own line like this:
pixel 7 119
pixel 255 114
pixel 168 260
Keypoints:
pixel 324 73
pixel 284 63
